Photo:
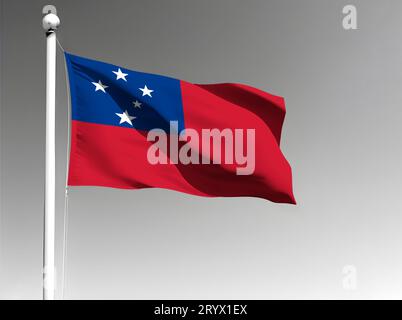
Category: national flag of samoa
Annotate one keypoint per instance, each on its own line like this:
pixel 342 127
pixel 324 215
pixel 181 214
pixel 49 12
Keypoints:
pixel 136 130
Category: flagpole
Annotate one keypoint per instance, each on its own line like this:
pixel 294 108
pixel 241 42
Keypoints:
pixel 50 23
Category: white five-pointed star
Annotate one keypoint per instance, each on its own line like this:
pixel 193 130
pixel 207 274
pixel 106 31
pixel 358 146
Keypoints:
pixel 137 104
pixel 120 75
pixel 99 86
pixel 146 91
pixel 125 117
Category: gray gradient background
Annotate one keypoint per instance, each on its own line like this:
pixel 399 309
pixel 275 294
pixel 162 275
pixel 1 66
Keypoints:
pixel 342 136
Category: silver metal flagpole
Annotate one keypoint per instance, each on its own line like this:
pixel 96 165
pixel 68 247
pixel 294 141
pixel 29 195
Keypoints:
pixel 50 23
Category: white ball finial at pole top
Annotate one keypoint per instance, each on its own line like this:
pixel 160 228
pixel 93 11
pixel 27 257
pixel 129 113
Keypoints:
pixel 50 21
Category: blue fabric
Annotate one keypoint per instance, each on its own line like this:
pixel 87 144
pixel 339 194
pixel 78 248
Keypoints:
pixel 92 106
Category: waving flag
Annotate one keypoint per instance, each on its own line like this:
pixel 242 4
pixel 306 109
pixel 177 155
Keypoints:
pixel 137 130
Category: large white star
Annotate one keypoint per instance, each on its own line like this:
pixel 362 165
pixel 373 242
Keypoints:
pixel 137 104
pixel 120 75
pixel 146 91
pixel 99 86
pixel 125 117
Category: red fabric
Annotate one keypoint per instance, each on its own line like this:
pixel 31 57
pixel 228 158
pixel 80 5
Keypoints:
pixel 112 156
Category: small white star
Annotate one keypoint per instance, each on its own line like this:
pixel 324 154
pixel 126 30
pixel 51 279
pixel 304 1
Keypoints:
pixel 120 75
pixel 146 91
pixel 137 104
pixel 99 86
pixel 125 117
